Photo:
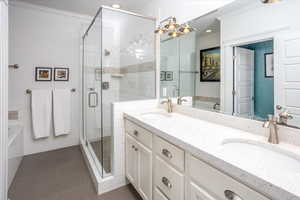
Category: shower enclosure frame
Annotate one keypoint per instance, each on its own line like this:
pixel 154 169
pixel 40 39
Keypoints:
pixel 91 160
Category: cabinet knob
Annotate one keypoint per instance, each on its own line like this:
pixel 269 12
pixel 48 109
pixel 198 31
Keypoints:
pixel 166 182
pixel 230 195
pixel 135 132
pixel 167 153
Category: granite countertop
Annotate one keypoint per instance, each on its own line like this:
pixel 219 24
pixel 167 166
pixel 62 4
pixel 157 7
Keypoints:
pixel 205 140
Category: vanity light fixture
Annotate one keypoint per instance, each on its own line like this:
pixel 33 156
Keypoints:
pixel 175 33
pixel 208 31
pixel 170 26
pixel 270 1
pixel 186 29
pixel 160 30
pixel 117 6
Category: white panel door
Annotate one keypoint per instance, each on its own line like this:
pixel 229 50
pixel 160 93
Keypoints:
pixel 145 172
pixel 287 76
pixel 131 160
pixel 244 82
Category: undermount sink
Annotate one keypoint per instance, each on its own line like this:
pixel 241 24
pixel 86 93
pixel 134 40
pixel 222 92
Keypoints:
pixel 261 156
pixel 156 115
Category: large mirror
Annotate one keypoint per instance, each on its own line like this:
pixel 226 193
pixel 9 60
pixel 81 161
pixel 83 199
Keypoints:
pixel 238 64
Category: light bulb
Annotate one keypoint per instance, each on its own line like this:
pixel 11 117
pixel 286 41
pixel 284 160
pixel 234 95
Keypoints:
pixel 186 30
pixel 171 27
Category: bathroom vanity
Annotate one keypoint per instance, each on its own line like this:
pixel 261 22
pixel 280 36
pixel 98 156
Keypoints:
pixel 173 156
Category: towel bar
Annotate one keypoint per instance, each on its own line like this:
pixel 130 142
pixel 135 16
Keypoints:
pixel 28 91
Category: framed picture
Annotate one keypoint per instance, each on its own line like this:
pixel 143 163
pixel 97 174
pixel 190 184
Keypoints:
pixel 210 60
pixel 61 74
pixel 169 76
pixel 43 74
pixel 269 65
pixel 162 76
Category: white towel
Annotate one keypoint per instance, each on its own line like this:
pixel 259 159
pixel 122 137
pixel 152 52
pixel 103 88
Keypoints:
pixel 41 107
pixel 62 111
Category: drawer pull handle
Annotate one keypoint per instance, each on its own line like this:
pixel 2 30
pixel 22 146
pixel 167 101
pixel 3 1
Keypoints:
pixel 167 153
pixel 230 195
pixel 135 132
pixel 166 182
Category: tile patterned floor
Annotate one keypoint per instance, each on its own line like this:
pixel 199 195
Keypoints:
pixel 60 175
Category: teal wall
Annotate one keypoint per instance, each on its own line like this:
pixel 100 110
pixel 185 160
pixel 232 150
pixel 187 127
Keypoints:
pixel 263 87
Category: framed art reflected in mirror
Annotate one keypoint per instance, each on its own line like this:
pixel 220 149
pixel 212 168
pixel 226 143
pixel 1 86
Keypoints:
pixel 210 60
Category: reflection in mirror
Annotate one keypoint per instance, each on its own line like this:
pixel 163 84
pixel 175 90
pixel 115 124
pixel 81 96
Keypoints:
pixel 190 65
pixel 254 80
pixel 238 64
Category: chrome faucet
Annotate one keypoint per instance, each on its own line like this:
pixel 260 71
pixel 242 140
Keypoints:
pixel 180 100
pixel 169 104
pixel 272 125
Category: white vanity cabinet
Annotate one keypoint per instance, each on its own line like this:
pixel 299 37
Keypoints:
pixel 139 165
pixel 177 175
pixel 209 183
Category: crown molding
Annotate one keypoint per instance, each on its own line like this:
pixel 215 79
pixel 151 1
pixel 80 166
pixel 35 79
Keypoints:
pixel 24 5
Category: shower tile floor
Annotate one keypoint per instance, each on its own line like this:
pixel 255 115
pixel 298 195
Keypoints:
pixel 60 175
pixel 104 157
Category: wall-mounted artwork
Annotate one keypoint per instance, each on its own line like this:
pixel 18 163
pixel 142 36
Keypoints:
pixel 162 76
pixel 43 74
pixel 269 65
pixel 210 60
pixel 169 76
pixel 61 74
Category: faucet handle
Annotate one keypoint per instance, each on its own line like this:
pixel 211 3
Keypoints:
pixel 286 115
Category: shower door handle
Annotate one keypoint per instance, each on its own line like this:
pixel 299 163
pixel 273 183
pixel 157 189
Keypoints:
pixel 93 99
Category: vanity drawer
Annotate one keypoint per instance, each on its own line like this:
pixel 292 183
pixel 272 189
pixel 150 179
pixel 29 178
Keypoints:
pixel 139 133
pixel 158 195
pixel 197 193
pixel 169 153
pixel 217 183
pixel 169 180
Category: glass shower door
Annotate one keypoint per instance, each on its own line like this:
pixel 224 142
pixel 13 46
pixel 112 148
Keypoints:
pixel 92 79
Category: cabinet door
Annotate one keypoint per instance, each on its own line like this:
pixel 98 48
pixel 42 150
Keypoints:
pixel 145 172
pixel 131 160
pixel 197 193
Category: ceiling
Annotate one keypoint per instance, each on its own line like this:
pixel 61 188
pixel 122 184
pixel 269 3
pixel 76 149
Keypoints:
pixel 89 7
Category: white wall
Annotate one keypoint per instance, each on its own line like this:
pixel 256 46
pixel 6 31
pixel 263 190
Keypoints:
pixel 207 89
pixel 183 10
pixel 3 97
pixel 254 20
pixel 44 37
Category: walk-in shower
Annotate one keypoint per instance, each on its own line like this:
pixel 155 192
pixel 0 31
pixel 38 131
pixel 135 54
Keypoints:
pixel 118 65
